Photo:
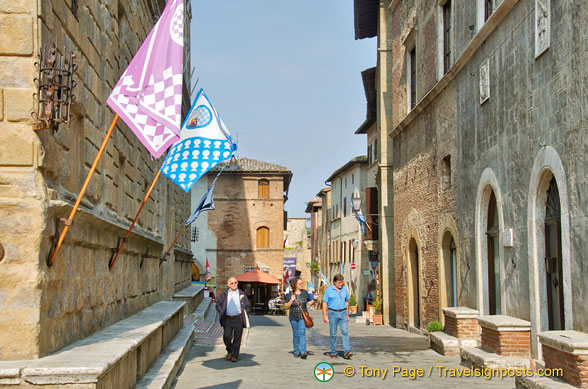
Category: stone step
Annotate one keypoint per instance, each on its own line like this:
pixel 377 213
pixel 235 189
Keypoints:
pixel 113 357
pixel 212 314
pixel 202 309
pixel 477 357
pixel 536 382
pixel 192 295
pixel 166 367
pixel 446 344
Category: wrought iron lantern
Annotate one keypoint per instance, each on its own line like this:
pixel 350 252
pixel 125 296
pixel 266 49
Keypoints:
pixel 54 88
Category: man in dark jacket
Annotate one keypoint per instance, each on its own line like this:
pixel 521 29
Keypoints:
pixel 233 308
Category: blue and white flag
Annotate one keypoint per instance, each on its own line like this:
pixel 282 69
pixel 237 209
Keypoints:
pixel 323 278
pixel 360 219
pixel 204 143
pixel 206 203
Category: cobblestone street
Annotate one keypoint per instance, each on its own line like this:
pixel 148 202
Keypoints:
pixel 267 360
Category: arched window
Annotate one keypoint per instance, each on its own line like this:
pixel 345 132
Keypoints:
pixel 262 237
pixel 263 189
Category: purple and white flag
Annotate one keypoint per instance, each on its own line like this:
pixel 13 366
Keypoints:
pixel 148 96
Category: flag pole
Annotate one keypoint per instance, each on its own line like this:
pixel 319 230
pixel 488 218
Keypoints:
pixel 173 244
pixel 124 240
pixel 68 222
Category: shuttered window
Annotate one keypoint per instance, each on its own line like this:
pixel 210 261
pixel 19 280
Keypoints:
pixel 263 189
pixel 263 237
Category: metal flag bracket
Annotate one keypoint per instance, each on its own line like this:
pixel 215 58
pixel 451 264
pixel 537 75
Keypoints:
pixel 55 237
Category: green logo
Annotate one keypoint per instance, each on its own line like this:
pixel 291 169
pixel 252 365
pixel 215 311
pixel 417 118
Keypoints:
pixel 324 372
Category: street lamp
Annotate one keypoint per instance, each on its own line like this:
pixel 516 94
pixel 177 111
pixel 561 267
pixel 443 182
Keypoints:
pixel 356 200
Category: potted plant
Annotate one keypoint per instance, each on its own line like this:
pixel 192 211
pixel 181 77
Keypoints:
pixel 352 304
pixel 434 326
pixel 378 316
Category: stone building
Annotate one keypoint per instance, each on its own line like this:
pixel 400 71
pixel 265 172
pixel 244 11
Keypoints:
pixel 246 230
pixel 344 238
pixel 323 230
pixel 297 245
pixel 482 119
pixel 43 309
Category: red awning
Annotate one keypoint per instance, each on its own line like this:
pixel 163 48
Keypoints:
pixel 257 276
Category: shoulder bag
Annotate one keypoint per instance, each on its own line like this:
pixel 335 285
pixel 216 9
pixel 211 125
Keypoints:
pixel 305 315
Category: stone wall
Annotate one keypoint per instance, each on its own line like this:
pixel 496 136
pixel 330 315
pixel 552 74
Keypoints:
pixel 535 103
pixel 43 309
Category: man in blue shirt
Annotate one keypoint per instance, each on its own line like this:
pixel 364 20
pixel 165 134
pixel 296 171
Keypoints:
pixel 336 313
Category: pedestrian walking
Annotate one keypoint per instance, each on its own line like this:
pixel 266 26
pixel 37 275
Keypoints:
pixel 233 308
pixel 336 313
pixel 297 301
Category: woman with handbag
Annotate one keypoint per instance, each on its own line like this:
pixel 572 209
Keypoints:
pixel 297 301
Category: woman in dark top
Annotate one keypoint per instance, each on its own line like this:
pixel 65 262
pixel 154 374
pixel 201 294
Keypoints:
pixel 296 320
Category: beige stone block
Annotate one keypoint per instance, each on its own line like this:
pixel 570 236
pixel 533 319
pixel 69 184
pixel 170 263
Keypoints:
pixel 16 35
pixel 17 6
pixel 1 104
pixel 17 72
pixel 19 104
pixel 16 147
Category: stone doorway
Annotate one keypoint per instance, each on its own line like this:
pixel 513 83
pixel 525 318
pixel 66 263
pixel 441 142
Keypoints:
pixel 493 261
pixel 553 259
pixel 414 295
pixel 448 276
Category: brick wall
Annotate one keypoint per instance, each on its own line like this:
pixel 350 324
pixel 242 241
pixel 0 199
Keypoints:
pixel 239 212
pixel 506 343
pixel 575 367
pixel 461 328
pixel 43 309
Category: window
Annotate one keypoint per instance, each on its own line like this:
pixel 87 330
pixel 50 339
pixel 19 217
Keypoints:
pixel 195 233
pixel 446 36
pixel 369 154
pixel 488 9
pixel 485 9
pixel 375 150
pixel 344 206
pixel 411 70
pixel 263 189
pixel 263 237
pixel 447 172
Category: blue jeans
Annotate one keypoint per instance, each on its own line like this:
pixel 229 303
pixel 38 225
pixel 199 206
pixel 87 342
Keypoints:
pixel 299 338
pixel 340 319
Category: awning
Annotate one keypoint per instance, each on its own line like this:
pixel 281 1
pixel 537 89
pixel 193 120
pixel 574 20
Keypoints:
pixel 257 276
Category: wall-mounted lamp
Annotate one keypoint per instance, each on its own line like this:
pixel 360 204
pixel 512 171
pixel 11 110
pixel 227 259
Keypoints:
pixel 356 199
pixel 54 88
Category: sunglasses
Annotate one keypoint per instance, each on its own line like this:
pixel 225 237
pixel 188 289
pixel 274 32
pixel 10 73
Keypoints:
pixel 234 282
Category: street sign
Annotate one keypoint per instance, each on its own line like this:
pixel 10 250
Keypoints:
pixel 353 266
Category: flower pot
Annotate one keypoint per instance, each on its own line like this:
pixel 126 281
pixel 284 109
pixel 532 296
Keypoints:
pixel 353 309
pixel 378 320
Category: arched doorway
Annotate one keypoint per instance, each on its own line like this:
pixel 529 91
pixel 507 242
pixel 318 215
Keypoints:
pixel 414 295
pixel 493 259
pixel 553 259
pixel 195 273
pixel 448 273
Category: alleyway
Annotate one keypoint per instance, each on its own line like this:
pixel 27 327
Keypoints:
pixel 267 361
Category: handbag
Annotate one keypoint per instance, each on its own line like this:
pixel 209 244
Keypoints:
pixel 305 315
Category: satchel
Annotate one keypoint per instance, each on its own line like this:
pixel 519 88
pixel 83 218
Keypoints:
pixel 305 315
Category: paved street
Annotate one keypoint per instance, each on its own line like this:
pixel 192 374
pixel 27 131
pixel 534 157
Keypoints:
pixel 267 360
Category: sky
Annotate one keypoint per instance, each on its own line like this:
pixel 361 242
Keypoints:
pixel 285 76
